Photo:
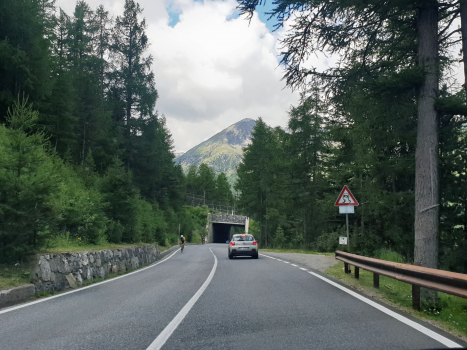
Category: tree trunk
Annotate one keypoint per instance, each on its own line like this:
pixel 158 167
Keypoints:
pixel 426 160
pixel 463 8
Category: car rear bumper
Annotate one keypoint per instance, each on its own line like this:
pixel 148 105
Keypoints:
pixel 250 252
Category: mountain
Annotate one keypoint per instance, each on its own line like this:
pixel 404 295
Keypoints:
pixel 223 152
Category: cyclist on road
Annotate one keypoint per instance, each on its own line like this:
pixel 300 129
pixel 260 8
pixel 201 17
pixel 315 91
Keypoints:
pixel 181 241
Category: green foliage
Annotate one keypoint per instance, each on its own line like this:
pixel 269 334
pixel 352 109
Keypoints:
pixel 203 181
pixel 389 255
pixel 120 199
pixel 328 242
pixel 28 179
pixel 452 314
pixel 91 163
pixel 221 152
pixel 79 209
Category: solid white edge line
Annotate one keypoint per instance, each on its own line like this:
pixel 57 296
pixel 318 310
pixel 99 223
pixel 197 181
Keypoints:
pixel 428 332
pixel 172 326
pixel 83 288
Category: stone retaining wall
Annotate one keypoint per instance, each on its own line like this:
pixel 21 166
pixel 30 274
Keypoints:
pixel 55 272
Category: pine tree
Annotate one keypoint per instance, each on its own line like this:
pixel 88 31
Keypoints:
pixel 372 38
pixel 223 191
pixel 25 52
pixel 132 91
pixel 28 181
pixel 307 148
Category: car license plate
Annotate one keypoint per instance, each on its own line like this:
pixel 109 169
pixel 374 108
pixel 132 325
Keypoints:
pixel 243 248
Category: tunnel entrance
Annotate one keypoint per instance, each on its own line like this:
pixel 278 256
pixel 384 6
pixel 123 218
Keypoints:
pixel 221 232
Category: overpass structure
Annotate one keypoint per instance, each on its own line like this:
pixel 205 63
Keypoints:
pixel 219 226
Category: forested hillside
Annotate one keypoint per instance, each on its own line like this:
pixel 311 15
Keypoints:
pixel 203 182
pixel 290 181
pixel 83 154
pixel 222 152
pixel 386 118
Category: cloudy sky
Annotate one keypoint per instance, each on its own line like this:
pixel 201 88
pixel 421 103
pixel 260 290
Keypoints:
pixel 212 67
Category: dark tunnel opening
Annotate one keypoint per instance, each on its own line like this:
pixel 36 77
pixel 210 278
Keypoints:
pixel 221 232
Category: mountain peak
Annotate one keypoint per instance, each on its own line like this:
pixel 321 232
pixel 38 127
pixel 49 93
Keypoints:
pixel 223 151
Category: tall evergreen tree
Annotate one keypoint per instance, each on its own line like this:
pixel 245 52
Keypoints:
pixel 370 38
pixel 132 82
pixel 25 62
pixel 307 148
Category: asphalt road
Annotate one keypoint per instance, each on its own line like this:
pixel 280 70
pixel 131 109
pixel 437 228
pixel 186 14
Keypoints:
pixel 243 304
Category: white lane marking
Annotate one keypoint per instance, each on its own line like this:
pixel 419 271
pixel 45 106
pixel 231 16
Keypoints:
pixel 293 265
pixel 428 332
pixel 172 326
pixel 301 268
pixel 276 259
pixel 285 262
pixel 83 288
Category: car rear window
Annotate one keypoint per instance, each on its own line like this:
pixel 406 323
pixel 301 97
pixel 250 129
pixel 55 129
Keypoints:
pixel 243 238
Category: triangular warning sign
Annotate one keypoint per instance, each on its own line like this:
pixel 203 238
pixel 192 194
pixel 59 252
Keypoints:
pixel 346 198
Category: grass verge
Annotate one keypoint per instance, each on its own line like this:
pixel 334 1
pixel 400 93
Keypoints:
pixel 64 245
pixel 452 317
pixel 13 276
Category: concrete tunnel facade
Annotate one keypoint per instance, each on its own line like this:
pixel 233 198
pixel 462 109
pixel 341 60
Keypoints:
pixel 220 226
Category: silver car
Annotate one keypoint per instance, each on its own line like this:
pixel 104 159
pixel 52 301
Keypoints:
pixel 243 245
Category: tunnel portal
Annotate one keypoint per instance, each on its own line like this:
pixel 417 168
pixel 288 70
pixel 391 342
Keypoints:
pixel 221 227
pixel 221 233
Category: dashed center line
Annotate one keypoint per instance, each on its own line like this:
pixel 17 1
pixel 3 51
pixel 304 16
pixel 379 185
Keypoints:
pixel 293 265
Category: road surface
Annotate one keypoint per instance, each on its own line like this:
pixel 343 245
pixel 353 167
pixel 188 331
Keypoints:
pixel 199 299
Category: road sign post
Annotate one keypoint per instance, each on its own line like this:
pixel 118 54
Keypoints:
pixel 346 203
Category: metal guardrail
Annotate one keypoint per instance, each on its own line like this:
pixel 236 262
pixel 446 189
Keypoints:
pixel 442 281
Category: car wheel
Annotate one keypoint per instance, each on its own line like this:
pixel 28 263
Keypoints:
pixel 230 256
pixel 255 256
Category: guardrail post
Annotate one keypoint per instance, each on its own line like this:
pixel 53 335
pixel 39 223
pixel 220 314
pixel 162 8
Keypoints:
pixel 416 297
pixel 375 280
pixel 346 268
pixel 357 272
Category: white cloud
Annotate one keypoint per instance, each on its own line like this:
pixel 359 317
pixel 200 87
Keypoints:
pixel 211 68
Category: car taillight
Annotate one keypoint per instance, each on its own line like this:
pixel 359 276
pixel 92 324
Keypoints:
pixel 232 243
pixel 254 243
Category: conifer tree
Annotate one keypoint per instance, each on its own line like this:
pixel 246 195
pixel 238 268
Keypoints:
pixel 372 38
pixel 132 83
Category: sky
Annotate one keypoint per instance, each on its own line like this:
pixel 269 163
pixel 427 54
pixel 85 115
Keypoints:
pixel 212 67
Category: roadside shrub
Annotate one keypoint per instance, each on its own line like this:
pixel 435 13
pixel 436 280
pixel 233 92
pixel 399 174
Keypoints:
pixel 28 180
pixel 115 232
pixel 279 239
pixel 389 255
pixel 79 209
pixel 328 242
